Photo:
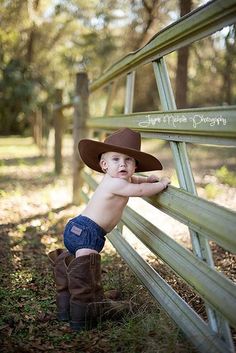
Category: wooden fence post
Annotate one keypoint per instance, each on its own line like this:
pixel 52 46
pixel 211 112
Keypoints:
pixel 81 114
pixel 33 128
pixel 38 127
pixel 58 128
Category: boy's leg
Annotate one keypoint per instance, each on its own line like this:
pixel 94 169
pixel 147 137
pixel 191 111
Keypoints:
pixel 56 258
pixel 83 252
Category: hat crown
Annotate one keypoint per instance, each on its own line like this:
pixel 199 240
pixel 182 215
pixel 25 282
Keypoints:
pixel 125 138
pixel 125 141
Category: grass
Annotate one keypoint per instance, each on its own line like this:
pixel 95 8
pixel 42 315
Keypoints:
pixel 35 210
pixel 212 191
pixel 14 146
pixel 27 296
pixel 35 206
pixel 226 177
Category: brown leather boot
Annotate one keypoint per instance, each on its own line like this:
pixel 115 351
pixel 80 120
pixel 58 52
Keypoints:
pixel 56 258
pixel 87 303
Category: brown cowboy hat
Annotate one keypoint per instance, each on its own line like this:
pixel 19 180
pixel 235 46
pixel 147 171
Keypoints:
pixel 125 141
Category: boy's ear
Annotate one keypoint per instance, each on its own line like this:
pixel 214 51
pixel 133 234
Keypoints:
pixel 103 164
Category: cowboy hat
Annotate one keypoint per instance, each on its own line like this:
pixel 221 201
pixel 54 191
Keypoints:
pixel 125 141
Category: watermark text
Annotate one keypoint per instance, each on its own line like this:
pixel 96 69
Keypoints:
pixel 174 120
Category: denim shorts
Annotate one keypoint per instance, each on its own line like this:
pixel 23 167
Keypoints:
pixel 81 232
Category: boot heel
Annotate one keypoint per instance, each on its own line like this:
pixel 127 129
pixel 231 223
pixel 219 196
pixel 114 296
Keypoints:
pixel 83 325
pixel 81 317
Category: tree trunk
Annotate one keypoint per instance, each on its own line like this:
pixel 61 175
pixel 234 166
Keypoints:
pixel 32 37
pixel 181 85
pixel 228 72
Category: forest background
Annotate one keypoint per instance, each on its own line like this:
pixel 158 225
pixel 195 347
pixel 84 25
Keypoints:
pixel 44 43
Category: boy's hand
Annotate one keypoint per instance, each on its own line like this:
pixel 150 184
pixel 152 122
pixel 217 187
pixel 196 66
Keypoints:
pixel 152 179
pixel 165 181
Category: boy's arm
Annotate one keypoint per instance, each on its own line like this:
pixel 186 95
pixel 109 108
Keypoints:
pixel 137 179
pixel 124 188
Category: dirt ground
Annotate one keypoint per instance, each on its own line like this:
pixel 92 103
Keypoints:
pixel 34 206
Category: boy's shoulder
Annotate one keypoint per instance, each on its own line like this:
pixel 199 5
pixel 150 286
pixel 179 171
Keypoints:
pixel 112 182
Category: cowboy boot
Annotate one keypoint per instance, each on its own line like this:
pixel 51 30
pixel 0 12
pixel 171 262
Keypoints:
pixel 56 258
pixel 87 302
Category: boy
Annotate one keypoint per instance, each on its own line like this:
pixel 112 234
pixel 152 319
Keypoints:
pixel 118 157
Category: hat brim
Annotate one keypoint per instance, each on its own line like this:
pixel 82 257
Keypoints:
pixel 90 152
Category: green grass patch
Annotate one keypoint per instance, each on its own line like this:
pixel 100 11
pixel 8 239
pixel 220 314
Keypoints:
pixel 212 191
pixel 226 177
pixel 17 147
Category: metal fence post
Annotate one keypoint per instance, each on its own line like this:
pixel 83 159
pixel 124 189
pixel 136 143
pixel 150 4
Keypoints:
pixel 214 335
pixel 200 244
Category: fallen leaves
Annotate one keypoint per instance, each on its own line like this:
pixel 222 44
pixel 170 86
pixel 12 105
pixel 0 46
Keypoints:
pixel 31 228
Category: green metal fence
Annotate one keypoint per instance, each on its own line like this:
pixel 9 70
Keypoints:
pixel 206 220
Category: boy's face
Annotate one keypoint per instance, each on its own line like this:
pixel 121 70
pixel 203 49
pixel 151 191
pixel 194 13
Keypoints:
pixel 118 165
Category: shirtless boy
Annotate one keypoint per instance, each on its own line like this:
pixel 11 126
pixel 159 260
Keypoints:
pixel 118 157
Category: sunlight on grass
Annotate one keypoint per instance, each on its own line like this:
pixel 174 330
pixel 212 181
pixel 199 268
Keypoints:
pixel 3 193
pixel 212 191
pixel 48 240
pixel 226 177
pixel 22 276
pixel 17 147
pixel 21 228
pixel 57 194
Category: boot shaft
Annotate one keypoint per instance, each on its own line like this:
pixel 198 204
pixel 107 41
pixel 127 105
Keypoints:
pixel 56 258
pixel 53 255
pixel 84 275
pixel 88 306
